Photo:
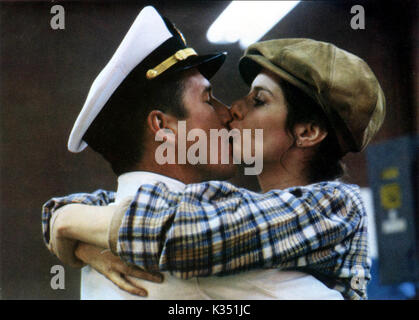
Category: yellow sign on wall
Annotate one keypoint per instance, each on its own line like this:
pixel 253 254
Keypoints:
pixel 390 173
pixel 391 196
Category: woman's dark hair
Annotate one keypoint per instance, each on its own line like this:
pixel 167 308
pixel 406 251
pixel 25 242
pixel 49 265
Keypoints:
pixel 301 108
pixel 117 133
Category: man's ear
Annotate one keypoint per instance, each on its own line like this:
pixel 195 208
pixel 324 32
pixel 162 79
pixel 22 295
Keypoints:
pixel 308 134
pixel 158 120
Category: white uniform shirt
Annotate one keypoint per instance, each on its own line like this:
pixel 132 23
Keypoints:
pixel 251 285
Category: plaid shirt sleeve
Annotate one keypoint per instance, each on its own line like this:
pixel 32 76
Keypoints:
pixel 215 228
pixel 99 198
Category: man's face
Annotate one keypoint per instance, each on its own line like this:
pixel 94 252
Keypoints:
pixel 205 112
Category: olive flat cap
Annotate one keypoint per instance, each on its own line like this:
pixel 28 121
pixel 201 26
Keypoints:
pixel 340 82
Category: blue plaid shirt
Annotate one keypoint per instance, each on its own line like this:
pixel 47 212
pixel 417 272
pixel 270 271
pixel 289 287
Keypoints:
pixel 215 228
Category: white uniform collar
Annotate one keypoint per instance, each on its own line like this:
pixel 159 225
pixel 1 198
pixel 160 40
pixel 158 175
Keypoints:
pixel 128 183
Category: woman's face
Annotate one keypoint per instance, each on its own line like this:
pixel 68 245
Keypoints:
pixel 264 107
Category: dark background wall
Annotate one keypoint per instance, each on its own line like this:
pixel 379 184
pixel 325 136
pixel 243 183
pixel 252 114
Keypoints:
pixel 45 75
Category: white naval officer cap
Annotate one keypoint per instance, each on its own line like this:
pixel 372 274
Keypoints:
pixel 152 47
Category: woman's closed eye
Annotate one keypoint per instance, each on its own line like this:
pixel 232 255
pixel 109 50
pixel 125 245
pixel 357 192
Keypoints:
pixel 257 102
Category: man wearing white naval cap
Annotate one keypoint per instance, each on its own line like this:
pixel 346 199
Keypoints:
pixel 152 81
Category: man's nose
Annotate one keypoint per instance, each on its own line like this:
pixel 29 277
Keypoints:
pixel 238 110
pixel 223 113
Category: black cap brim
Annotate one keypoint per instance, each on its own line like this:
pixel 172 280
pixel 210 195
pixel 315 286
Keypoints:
pixel 208 65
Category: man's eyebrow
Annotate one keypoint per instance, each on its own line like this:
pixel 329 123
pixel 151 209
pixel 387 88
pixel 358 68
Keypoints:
pixel 208 88
pixel 259 88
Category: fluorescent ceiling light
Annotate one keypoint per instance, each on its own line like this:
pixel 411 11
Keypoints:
pixel 248 21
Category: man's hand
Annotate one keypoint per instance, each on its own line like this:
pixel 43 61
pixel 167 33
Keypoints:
pixel 112 267
pixel 63 248
pixel 77 222
pixel 78 236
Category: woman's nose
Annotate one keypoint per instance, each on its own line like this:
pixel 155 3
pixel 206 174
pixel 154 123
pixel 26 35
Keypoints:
pixel 238 110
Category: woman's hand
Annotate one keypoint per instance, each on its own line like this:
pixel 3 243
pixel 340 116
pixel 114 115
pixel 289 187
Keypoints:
pixel 113 268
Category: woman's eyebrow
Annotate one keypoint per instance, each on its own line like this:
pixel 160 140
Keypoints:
pixel 259 88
